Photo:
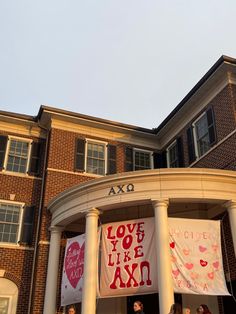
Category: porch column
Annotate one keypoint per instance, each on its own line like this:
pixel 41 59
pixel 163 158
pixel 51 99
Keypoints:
pixel 231 207
pixel 165 284
pixel 52 271
pixel 90 263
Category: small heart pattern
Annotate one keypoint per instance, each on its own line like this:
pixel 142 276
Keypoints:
pixel 172 245
pixel 202 248
pixel 203 263
pixel 186 251
pixel 210 275
pixel 216 264
pixel 189 265
pixel 175 272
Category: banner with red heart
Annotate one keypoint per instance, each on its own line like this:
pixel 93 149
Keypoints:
pixel 72 276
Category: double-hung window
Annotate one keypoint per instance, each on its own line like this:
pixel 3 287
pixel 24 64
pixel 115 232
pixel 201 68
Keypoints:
pixel 20 155
pixel 142 159
pixel 204 133
pixel 17 155
pixel 138 159
pixel 172 155
pixel 10 222
pixel 95 157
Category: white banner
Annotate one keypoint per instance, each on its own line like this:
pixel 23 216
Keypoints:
pixel 196 257
pixel 128 258
pixel 73 269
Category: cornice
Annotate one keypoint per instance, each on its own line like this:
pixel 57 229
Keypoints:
pixel 109 132
pixel 16 126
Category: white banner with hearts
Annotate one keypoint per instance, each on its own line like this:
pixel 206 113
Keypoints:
pixel 73 269
pixel 196 256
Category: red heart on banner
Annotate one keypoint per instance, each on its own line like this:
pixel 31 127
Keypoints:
pixel 172 245
pixel 175 272
pixel 216 264
pixel 188 265
pixel 210 275
pixel 74 263
pixel 203 263
pixel 202 248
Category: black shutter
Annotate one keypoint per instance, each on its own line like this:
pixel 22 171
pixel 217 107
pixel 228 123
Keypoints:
pixel 129 159
pixel 156 159
pixel 179 143
pixel 35 158
pixel 191 149
pixel 211 126
pixel 3 145
pixel 160 160
pixel 111 167
pixel 80 154
pixel 27 225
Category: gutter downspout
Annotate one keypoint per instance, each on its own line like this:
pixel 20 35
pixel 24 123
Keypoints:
pixel 39 219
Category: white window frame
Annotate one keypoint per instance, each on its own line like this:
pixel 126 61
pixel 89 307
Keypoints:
pixel 89 140
pixel 197 154
pixel 21 205
pixel 174 143
pixel 20 139
pixel 143 151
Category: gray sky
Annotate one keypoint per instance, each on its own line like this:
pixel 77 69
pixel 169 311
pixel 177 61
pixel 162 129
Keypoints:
pixel 130 61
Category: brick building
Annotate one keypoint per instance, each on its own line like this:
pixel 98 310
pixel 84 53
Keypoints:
pixel 57 167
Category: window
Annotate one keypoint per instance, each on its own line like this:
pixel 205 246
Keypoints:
pixel 203 133
pixel 10 222
pixel 96 157
pixel 142 160
pixel 4 305
pixel 8 296
pixel 20 155
pixel 138 159
pixel 172 156
pixel 17 155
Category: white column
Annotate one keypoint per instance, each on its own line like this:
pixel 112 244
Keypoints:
pixel 90 263
pixel 165 283
pixel 52 272
pixel 231 207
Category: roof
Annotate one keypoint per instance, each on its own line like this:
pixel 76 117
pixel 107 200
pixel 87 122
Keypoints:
pixel 219 62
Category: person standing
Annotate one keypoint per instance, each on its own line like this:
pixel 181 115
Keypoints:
pixel 203 309
pixel 175 308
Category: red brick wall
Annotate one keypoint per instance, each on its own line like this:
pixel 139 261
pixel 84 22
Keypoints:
pixel 224 113
pixel 18 266
pixel 18 263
